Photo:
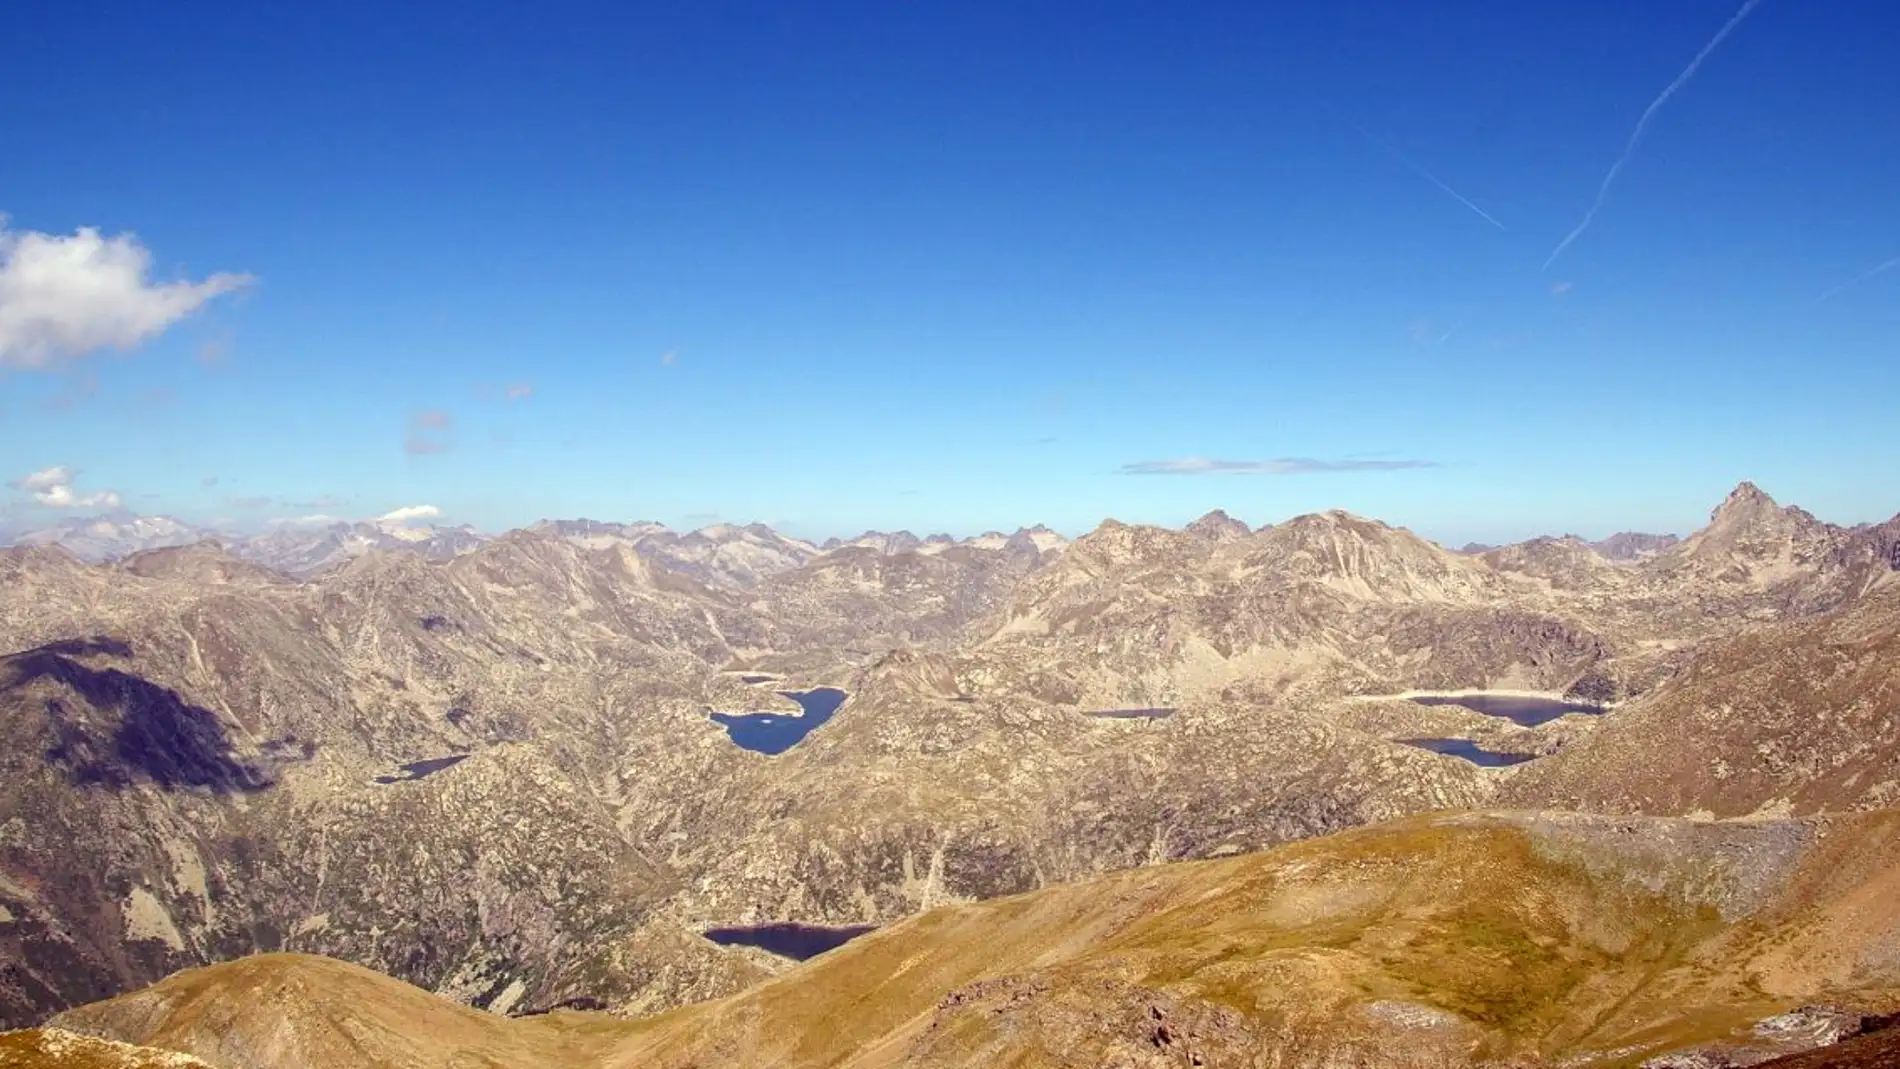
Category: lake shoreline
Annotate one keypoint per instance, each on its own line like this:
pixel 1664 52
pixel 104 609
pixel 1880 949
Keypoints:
pixel 1479 692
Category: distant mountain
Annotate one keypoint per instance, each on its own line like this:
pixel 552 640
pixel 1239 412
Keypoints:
pixel 881 541
pixel 1622 546
pixel 597 534
pixel 1217 526
pixel 113 535
pixel 292 549
pixel 888 542
pixel 721 557
pixel 1631 545
pixel 308 551
pixel 1039 538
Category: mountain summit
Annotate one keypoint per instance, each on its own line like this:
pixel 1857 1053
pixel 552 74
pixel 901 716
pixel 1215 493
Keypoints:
pixel 1217 526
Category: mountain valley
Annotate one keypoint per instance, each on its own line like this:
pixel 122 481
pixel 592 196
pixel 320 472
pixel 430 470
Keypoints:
pixel 515 772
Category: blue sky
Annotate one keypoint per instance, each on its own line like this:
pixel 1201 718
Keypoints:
pixel 961 266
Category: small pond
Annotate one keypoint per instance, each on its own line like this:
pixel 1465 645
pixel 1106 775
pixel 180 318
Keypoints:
pixel 1470 751
pixel 795 941
pixel 1520 709
pixel 775 733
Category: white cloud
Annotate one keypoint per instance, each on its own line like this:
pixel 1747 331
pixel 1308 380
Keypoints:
pixel 45 479
pixel 519 391
pixel 1276 466
pixel 408 514
pixel 62 497
pixel 53 488
pixel 303 521
pixel 70 295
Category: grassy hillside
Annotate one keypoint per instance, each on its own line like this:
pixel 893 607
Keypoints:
pixel 1456 939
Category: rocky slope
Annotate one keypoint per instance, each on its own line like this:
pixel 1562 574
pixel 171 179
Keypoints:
pixel 1792 717
pixel 223 773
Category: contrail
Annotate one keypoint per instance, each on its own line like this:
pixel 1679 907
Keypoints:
pixel 1642 124
pixel 1425 174
pixel 1858 279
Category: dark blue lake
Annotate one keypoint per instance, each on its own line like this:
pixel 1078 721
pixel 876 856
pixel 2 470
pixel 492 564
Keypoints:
pixel 1131 714
pixel 758 679
pixel 1528 712
pixel 794 941
pixel 1470 751
pixel 419 769
pixel 775 733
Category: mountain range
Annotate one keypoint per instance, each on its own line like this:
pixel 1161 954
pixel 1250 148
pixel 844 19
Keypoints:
pixel 727 556
pixel 488 770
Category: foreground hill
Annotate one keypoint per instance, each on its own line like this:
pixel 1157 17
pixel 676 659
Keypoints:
pixel 1460 939
pixel 56 1048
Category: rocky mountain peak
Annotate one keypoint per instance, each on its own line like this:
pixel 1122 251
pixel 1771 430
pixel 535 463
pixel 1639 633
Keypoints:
pixel 1022 542
pixel 1333 522
pixel 1750 517
pixel 1744 503
pixel 1116 542
pixel 1752 541
pixel 1364 557
pixel 1046 540
pixel 1217 526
